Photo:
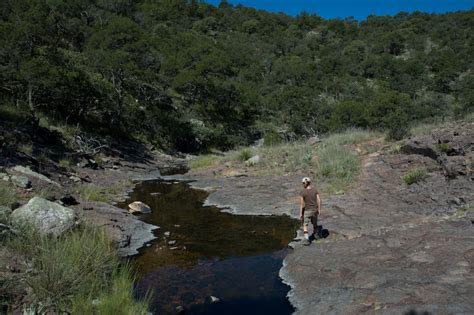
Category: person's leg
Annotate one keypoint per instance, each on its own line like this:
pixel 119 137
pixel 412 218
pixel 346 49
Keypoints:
pixel 314 222
pixel 306 221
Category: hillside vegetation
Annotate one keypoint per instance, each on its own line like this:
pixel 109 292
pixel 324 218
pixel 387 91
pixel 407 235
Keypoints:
pixel 188 76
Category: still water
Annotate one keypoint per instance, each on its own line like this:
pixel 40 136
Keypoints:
pixel 202 252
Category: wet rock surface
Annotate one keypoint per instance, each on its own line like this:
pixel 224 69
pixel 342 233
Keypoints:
pixel 128 232
pixel 392 247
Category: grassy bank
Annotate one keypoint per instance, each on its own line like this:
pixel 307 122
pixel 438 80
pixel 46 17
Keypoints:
pixel 79 272
pixel 335 160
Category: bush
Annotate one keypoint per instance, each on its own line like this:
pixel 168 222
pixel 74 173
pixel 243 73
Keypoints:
pixel 337 162
pixel 396 148
pixel 397 132
pixel 414 176
pixel 272 138
pixel 66 163
pixel 244 155
pixel 78 266
pixel 444 148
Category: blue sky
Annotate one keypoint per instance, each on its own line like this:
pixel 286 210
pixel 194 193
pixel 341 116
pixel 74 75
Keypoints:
pixel 359 9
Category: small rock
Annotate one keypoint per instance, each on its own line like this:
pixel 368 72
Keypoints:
pixel 177 225
pixel 214 299
pixel 179 309
pixel 155 194
pixel 456 201
pixel 21 181
pixel 171 242
pixel 75 179
pixel 139 207
pixel 174 248
pixel 167 234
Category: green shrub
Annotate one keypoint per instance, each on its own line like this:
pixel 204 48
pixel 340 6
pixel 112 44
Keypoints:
pixel 244 155
pixel 271 138
pixel 25 148
pixel 119 299
pixel 396 148
pixel 337 162
pixel 398 131
pixel 414 176
pixel 66 163
pixel 443 147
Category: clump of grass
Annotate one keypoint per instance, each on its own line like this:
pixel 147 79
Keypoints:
pixel 42 158
pixel 79 265
pixel 204 161
pixel 443 148
pixel 337 162
pixel 25 148
pixel 93 192
pixel 423 129
pixel 352 136
pixel 8 195
pixel 117 300
pixel 46 192
pixel 414 176
pixel 244 155
pixel 396 148
pixel 66 163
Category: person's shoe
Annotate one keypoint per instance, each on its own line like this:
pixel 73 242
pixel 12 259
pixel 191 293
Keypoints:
pixel 306 242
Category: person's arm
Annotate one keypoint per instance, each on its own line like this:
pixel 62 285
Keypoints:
pixel 318 199
pixel 301 207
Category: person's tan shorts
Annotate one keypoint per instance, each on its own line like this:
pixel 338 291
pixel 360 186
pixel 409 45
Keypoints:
pixel 310 217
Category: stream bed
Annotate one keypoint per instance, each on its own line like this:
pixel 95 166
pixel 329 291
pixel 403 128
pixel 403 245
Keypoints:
pixel 202 252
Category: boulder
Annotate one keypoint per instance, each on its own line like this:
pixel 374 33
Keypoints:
pixel 139 207
pixel 253 160
pixel 21 181
pixel 48 217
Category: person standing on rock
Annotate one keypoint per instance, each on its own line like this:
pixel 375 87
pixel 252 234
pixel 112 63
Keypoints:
pixel 310 206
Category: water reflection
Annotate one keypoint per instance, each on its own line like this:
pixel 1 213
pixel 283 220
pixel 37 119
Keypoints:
pixel 202 251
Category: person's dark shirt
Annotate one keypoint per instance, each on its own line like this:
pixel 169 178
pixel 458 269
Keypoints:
pixel 310 199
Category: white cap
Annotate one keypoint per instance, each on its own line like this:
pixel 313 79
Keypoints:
pixel 306 180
